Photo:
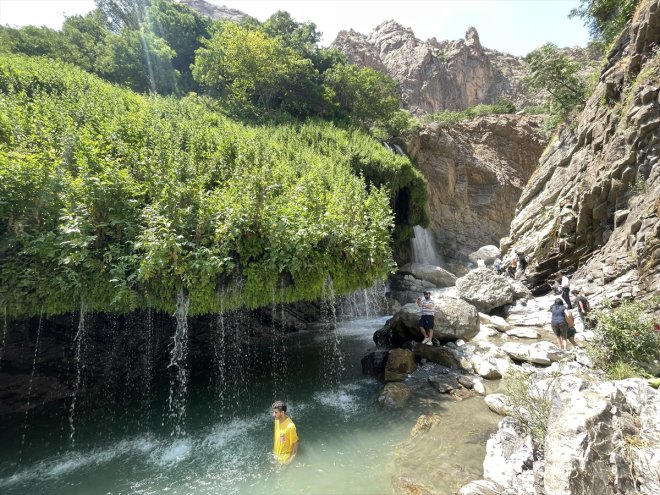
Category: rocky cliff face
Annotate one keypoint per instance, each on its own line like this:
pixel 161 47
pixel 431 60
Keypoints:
pixel 593 205
pixel 476 171
pixel 216 11
pixel 435 76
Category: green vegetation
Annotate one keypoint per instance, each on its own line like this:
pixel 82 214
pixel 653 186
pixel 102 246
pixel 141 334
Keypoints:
pixel 449 118
pixel 626 343
pixel 259 72
pixel 556 73
pixel 530 403
pixel 605 18
pixel 121 200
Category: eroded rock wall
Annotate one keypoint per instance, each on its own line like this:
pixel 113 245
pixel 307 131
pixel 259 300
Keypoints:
pixel 476 171
pixel 593 205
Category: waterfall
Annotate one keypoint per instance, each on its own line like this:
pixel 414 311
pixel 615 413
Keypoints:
pixel 148 365
pixel 278 353
pixel 364 303
pixel 220 361
pixel 4 335
pixel 423 247
pixel 79 339
pixel 179 384
pixel 29 394
pixel 333 357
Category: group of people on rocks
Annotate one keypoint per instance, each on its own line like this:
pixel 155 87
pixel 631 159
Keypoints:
pixel 562 320
pixel 511 269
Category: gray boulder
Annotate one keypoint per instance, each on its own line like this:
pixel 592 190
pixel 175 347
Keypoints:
pixel 509 452
pixel 484 289
pixel 439 277
pixel 486 253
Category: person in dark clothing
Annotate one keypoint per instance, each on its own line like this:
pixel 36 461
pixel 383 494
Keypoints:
pixel 582 305
pixel 565 289
pixel 522 261
pixel 511 270
pixel 562 324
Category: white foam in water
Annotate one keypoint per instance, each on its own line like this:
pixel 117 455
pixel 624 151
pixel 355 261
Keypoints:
pixel 77 460
pixel 223 433
pixel 172 454
pixel 341 400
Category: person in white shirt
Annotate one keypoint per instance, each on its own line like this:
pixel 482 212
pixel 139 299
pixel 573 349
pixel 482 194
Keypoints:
pixel 426 321
pixel 566 290
pixel 480 263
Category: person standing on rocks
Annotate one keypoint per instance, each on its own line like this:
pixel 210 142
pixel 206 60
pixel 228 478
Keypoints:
pixel 582 305
pixel 511 270
pixel 522 261
pixel 426 321
pixel 480 263
pixel 562 324
pixel 285 445
pixel 565 289
pixel 498 266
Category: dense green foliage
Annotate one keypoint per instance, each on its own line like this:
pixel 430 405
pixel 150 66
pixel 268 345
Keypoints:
pixel 557 74
pixel 626 342
pixel 270 71
pixel 120 200
pixel 448 118
pixel 605 18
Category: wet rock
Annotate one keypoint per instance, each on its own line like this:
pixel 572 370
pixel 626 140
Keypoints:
pixel 394 395
pixel 373 364
pixel 400 362
pixel 424 423
pixel 498 403
pixel 444 383
pixel 435 354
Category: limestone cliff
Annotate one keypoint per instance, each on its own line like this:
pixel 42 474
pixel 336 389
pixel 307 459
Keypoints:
pixel 215 11
pixel 476 171
pixel 435 76
pixel 593 205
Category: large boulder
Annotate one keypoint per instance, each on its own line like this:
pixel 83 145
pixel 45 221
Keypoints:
pixel 435 354
pixel 394 395
pixel 454 319
pixel 373 364
pixel 486 253
pixel 484 289
pixel 527 353
pixel 429 273
pixel 603 437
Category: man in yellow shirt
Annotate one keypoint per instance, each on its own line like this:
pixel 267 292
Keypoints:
pixel 285 445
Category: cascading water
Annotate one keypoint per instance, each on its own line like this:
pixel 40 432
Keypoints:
pixel 29 394
pixel 219 375
pixel 278 353
pixel 423 247
pixel 333 357
pixel 363 303
pixel 148 365
pixel 176 401
pixel 4 334
pixel 80 366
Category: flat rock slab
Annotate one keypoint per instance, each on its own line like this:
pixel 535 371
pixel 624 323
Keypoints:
pixel 523 333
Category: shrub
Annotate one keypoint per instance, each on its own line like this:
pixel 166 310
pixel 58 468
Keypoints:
pixel 530 402
pixel 626 342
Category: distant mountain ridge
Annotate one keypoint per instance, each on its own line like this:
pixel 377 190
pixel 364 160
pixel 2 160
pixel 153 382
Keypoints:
pixel 436 76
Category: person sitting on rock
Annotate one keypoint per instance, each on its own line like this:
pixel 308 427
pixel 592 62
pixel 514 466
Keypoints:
pixel 562 324
pixel 511 270
pixel 426 320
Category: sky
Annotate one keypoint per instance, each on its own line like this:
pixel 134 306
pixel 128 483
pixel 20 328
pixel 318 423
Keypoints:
pixel 512 26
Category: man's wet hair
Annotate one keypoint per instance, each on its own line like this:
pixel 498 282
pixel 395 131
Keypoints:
pixel 280 405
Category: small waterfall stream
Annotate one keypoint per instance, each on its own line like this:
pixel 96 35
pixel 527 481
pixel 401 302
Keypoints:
pixel 80 367
pixel 179 352
pixel 29 393
pixel 4 334
pixel 423 247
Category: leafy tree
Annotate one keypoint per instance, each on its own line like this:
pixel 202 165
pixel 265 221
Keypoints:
pixel 139 60
pixel 121 14
pixel 605 18
pixel 364 95
pixel 182 29
pixel 86 37
pixel 556 73
pixel 248 67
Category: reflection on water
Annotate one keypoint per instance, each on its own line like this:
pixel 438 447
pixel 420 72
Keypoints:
pixel 347 444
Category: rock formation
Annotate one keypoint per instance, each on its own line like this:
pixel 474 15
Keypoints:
pixel 435 76
pixel 593 205
pixel 476 171
pixel 215 11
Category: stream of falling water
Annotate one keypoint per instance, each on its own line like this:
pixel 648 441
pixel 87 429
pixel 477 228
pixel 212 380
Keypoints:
pixel 4 334
pixel 219 375
pixel 278 353
pixel 29 394
pixel 80 366
pixel 179 385
pixel 333 357
pixel 148 366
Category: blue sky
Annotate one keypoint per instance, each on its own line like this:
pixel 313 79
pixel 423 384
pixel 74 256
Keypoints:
pixel 512 26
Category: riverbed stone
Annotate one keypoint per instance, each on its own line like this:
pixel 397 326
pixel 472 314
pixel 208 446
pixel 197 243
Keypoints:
pixel 523 333
pixel 485 367
pixel 499 403
pixel 373 364
pixel 444 383
pixel 438 276
pixel 400 362
pixel 435 354
pixel 394 395
pixel 487 253
pixel 523 352
pixel 481 487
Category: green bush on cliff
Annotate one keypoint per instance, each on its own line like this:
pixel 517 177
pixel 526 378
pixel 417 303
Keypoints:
pixel 448 118
pixel 121 200
pixel 626 342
